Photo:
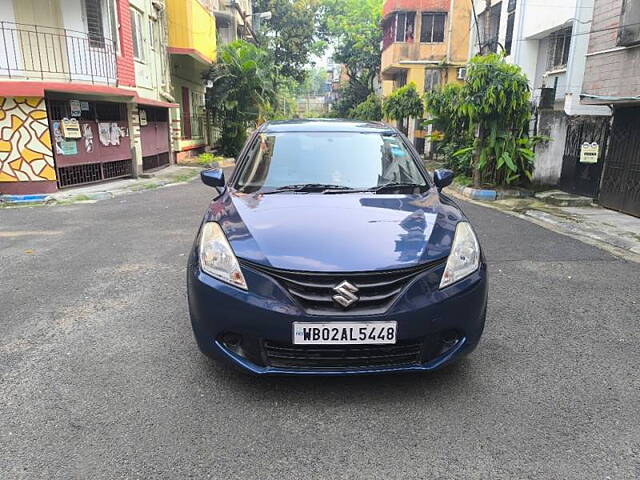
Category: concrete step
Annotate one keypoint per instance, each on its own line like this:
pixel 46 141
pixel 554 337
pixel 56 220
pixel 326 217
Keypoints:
pixel 563 199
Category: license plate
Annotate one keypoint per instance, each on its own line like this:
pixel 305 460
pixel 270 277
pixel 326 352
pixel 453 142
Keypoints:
pixel 344 333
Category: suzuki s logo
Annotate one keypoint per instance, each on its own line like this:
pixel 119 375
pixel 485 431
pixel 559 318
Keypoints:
pixel 345 294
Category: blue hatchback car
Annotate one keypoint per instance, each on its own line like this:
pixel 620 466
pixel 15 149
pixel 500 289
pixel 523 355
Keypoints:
pixel 331 251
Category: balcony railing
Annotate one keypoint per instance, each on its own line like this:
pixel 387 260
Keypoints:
pixel 34 52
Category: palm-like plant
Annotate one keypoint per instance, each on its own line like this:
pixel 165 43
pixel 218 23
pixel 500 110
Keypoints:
pixel 240 89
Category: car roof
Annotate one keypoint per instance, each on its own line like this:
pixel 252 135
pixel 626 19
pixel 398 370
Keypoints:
pixel 325 125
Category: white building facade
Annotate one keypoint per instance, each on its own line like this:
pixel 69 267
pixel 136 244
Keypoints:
pixel 548 39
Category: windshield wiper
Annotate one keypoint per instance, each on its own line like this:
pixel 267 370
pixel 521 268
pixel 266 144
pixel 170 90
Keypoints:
pixel 397 186
pixel 308 187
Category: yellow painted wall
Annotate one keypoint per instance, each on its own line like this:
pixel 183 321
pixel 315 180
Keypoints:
pixel 387 87
pixel 193 27
pixel 461 31
pixel 416 75
pixel 455 46
pixel 25 141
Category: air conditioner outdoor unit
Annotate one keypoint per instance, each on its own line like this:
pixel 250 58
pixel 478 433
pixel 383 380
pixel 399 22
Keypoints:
pixel 462 73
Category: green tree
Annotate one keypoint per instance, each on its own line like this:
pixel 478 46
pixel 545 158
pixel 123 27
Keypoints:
pixel 494 107
pixel 403 103
pixel 451 131
pixel 370 109
pixel 353 27
pixel 314 83
pixel 289 36
pixel 240 92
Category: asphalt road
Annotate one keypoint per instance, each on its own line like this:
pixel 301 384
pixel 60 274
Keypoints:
pixel 101 378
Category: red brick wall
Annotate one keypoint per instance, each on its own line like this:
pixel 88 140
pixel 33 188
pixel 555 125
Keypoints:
pixel 126 71
pixel 416 6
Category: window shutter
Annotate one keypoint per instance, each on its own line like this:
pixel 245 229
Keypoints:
pixel 93 10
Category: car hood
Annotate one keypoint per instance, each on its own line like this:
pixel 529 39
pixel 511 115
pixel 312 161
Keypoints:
pixel 337 232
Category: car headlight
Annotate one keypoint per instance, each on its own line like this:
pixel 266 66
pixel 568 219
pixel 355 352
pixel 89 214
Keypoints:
pixel 217 258
pixel 464 258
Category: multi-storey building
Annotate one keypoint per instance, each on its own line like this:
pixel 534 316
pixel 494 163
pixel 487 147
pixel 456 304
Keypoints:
pixel 612 79
pixel 425 42
pixel 195 29
pixel 548 39
pixel 84 92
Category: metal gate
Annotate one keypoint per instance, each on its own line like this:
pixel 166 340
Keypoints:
pixel 91 158
pixel 154 136
pixel 620 188
pixel 577 177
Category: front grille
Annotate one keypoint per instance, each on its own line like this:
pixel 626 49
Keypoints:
pixel 314 291
pixel 343 356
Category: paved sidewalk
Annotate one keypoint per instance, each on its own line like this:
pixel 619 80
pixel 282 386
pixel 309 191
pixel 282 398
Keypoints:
pixel 607 229
pixel 171 175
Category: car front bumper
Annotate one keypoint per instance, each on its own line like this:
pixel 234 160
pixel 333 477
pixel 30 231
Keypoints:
pixel 235 325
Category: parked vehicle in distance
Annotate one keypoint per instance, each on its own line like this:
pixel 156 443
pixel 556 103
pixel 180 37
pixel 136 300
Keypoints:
pixel 331 251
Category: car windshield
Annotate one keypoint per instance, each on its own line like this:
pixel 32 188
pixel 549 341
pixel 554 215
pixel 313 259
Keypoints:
pixel 335 160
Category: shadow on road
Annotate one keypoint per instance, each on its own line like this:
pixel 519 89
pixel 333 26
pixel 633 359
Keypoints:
pixel 452 380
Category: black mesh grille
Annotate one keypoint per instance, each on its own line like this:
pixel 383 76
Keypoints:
pixel 315 291
pixel 92 172
pixel 155 161
pixel 331 356
pixel 79 174
pixel 119 168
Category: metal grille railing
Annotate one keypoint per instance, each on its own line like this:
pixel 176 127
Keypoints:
pixel 34 51
pixel 93 172
pixel 152 162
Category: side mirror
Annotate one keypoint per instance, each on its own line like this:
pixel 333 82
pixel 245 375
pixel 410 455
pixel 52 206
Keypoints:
pixel 213 178
pixel 443 178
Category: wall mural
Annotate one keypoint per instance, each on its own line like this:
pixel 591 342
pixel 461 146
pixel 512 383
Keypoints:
pixel 25 142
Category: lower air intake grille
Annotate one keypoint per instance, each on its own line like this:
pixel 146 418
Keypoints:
pixel 343 356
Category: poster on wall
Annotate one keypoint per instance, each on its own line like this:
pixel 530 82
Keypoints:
pixel 143 118
pixel 76 110
pixel 109 133
pixel 115 134
pixel 84 106
pixel 87 134
pixel 57 137
pixel 104 133
pixel 69 147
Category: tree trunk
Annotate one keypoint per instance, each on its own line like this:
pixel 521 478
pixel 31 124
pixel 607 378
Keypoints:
pixel 478 145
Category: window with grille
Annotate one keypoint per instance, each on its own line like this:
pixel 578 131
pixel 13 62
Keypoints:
pixel 431 79
pixel 559 45
pixel 629 30
pixel 400 80
pixel 152 32
pixel 432 30
pixel 489 20
pixel 405 23
pixel 511 16
pixel 95 28
pixel 137 32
